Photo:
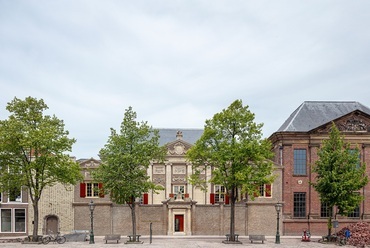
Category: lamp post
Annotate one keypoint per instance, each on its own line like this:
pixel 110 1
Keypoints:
pixel 278 208
pixel 92 207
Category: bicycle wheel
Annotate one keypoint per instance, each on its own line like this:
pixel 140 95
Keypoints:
pixel 46 240
pixel 61 239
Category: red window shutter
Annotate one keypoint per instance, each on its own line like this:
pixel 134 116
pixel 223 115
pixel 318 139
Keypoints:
pixel 145 198
pixel 83 190
pixel 212 198
pixel 268 190
pixel 227 199
pixel 101 191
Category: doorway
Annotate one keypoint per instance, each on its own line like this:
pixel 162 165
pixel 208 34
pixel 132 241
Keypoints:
pixel 179 223
pixel 51 224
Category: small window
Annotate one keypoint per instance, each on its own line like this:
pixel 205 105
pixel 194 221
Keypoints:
pixel 92 190
pixel 300 161
pixel 299 210
pixel 179 191
pixel 15 195
pixel 220 193
pixel 265 190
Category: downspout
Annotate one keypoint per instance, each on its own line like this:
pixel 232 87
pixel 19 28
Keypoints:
pixel 282 182
pixel 309 185
pixel 363 188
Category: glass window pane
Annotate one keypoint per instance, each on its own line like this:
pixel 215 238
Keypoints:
pixel 299 162
pixel 6 220
pixel 20 220
pixel 299 205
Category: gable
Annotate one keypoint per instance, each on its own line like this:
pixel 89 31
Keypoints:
pixel 354 122
pixel 178 148
pixel 89 163
pixel 313 114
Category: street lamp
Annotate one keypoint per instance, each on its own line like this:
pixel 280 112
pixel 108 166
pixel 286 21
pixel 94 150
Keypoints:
pixel 278 207
pixel 92 207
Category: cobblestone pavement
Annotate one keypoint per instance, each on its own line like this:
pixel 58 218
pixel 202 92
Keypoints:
pixel 181 242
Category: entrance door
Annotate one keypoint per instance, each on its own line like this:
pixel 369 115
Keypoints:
pixel 179 223
pixel 51 224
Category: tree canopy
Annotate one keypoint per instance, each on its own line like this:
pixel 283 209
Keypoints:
pixel 125 159
pixel 33 150
pixel 340 174
pixel 233 146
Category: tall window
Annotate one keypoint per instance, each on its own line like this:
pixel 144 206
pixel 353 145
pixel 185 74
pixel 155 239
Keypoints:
pixel 353 151
pixel 92 190
pixel 355 213
pixel 220 193
pixel 299 210
pixel 20 220
pixel 300 161
pixel 6 220
pixel 325 210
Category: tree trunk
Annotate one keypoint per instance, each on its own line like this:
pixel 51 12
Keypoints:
pixel 35 219
pixel 232 214
pixel 133 217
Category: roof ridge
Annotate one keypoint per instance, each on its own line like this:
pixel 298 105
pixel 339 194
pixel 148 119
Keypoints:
pixel 293 117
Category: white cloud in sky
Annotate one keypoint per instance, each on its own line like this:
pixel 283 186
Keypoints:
pixel 179 62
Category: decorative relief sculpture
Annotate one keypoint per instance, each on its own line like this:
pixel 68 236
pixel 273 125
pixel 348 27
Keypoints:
pixel 178 179
pixel 159 169
pixel 177 149
pixel 159 181
pixel 352 125
pixel 179 169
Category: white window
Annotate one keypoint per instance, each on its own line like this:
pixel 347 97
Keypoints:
pixel 220 193
pixel 179 191
pixel 92 190
pixel 265 190
pixel 13 220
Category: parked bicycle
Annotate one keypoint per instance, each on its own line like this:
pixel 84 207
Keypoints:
pixel 60 239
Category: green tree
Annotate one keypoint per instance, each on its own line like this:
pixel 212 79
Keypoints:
pixel 340 175
pixel 232 145
pixel 32 152
pixel 125 160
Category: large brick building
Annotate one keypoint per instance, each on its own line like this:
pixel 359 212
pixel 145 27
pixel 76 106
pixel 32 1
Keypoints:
pixel 296 144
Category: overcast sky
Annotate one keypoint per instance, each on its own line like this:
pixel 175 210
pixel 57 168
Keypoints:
pixel 177 63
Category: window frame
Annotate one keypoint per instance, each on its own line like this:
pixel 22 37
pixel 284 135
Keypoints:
pixel 299 205
pixel 92 190
pixel 299 164
pixel 263 191
pixel 13 220
pixel 220 193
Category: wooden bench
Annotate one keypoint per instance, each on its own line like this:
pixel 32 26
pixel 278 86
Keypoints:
pixel 257 238
pixel 116 237
pixel 228 237
pixel 131 238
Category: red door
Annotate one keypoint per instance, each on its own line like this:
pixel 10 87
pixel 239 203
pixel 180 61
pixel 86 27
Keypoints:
pixel 179 223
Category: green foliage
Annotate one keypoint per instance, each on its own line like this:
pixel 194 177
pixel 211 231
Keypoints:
pixel 32 150
pixel 232 144
pixel 125 159
pixel 340 174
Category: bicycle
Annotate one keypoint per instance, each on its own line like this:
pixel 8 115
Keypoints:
pixel 60 239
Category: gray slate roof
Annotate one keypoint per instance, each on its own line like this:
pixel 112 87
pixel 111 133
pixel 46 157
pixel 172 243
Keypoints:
pixel 169 135
pixel 312 114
